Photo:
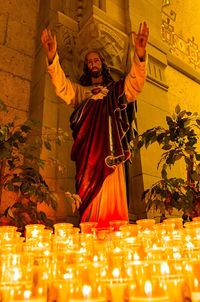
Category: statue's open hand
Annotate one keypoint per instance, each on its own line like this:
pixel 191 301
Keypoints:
pixel 140 40
pixel 49 44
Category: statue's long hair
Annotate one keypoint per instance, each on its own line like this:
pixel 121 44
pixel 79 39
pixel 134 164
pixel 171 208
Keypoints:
pixel 86 80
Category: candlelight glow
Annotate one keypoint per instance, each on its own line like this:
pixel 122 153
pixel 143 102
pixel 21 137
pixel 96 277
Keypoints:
pixel 14 260
pixel 116 273
pixel 27 294
pixel 46 253
pixel 136 256
pixel 117 250
pixel 17 274
pixel 34 233
pixel 196 282
pixel 61 233
pixel 189 245
pixel 68 276
pixel 148 288
pixel 86 290
pixel 164 268
pixel 188 268
pixel 95 258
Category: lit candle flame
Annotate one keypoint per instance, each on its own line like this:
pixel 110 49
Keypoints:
pixel 136 256
pixel 189 245
pixel 196 283
pixel 86 290
pixel 27 294
pixel 148 288
pixel 34 233
pixel 165 269
pixel 17 274
pixel 116 273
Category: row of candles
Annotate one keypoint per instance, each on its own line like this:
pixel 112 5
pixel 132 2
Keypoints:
pixel 142 262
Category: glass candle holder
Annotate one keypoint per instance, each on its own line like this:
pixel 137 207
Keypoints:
pixel 8 228
pixel 130 230
pixel 116 275
pixel 86 227
pixel 191 289
pixel 34 231
pixel 14 245
pixel 16 279
pixel 156 253
pixel 116 224
pixel 197 218
pixel 147 281
pixel 178 221
pixel 62 229
pixel 164 228
pixel 8 233
pixel 175 279
pixel 146 224
pixel 86 283
pixel 102 233
pixel 192 224
pixel 137 247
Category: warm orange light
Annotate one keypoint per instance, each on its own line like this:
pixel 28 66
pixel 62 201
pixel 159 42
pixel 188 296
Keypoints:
pixel 148 288
pixel 86 290
pixel 116 273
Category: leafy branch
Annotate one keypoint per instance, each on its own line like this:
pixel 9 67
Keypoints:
pixel 178 141
pixel 20 164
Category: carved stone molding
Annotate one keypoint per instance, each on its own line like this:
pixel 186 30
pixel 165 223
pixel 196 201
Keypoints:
pixel 66 42
pixel 96 34
pixel 66 30
pixel 182 46
pixel 156 73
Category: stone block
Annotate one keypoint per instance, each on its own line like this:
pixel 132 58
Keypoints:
pixel 65 184
pixel 50 113
pixel 20 37
pixel 40 67
pixel 7 199
pixel 49 169
pixel 64 208
pixel 10 116
pixel 36 102
pixel 154 96
pixel 148 11
pixel 3 26
pixel 25 11
pixel 116 10
pixel 136 205
pixel 64 156
pixel 29 11
pixel 15 92
pixel 64 114
pixel 11 7
pixel 56 5
pixel 16 63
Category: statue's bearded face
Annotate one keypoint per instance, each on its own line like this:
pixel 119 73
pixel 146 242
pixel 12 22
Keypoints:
pixel 94 64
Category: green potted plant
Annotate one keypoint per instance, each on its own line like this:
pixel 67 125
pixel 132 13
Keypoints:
pixel 20 171
pixel 179 141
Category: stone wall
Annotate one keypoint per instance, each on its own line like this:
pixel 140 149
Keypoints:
pixel 17 50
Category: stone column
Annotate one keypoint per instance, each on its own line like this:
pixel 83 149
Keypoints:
pixel 151 103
